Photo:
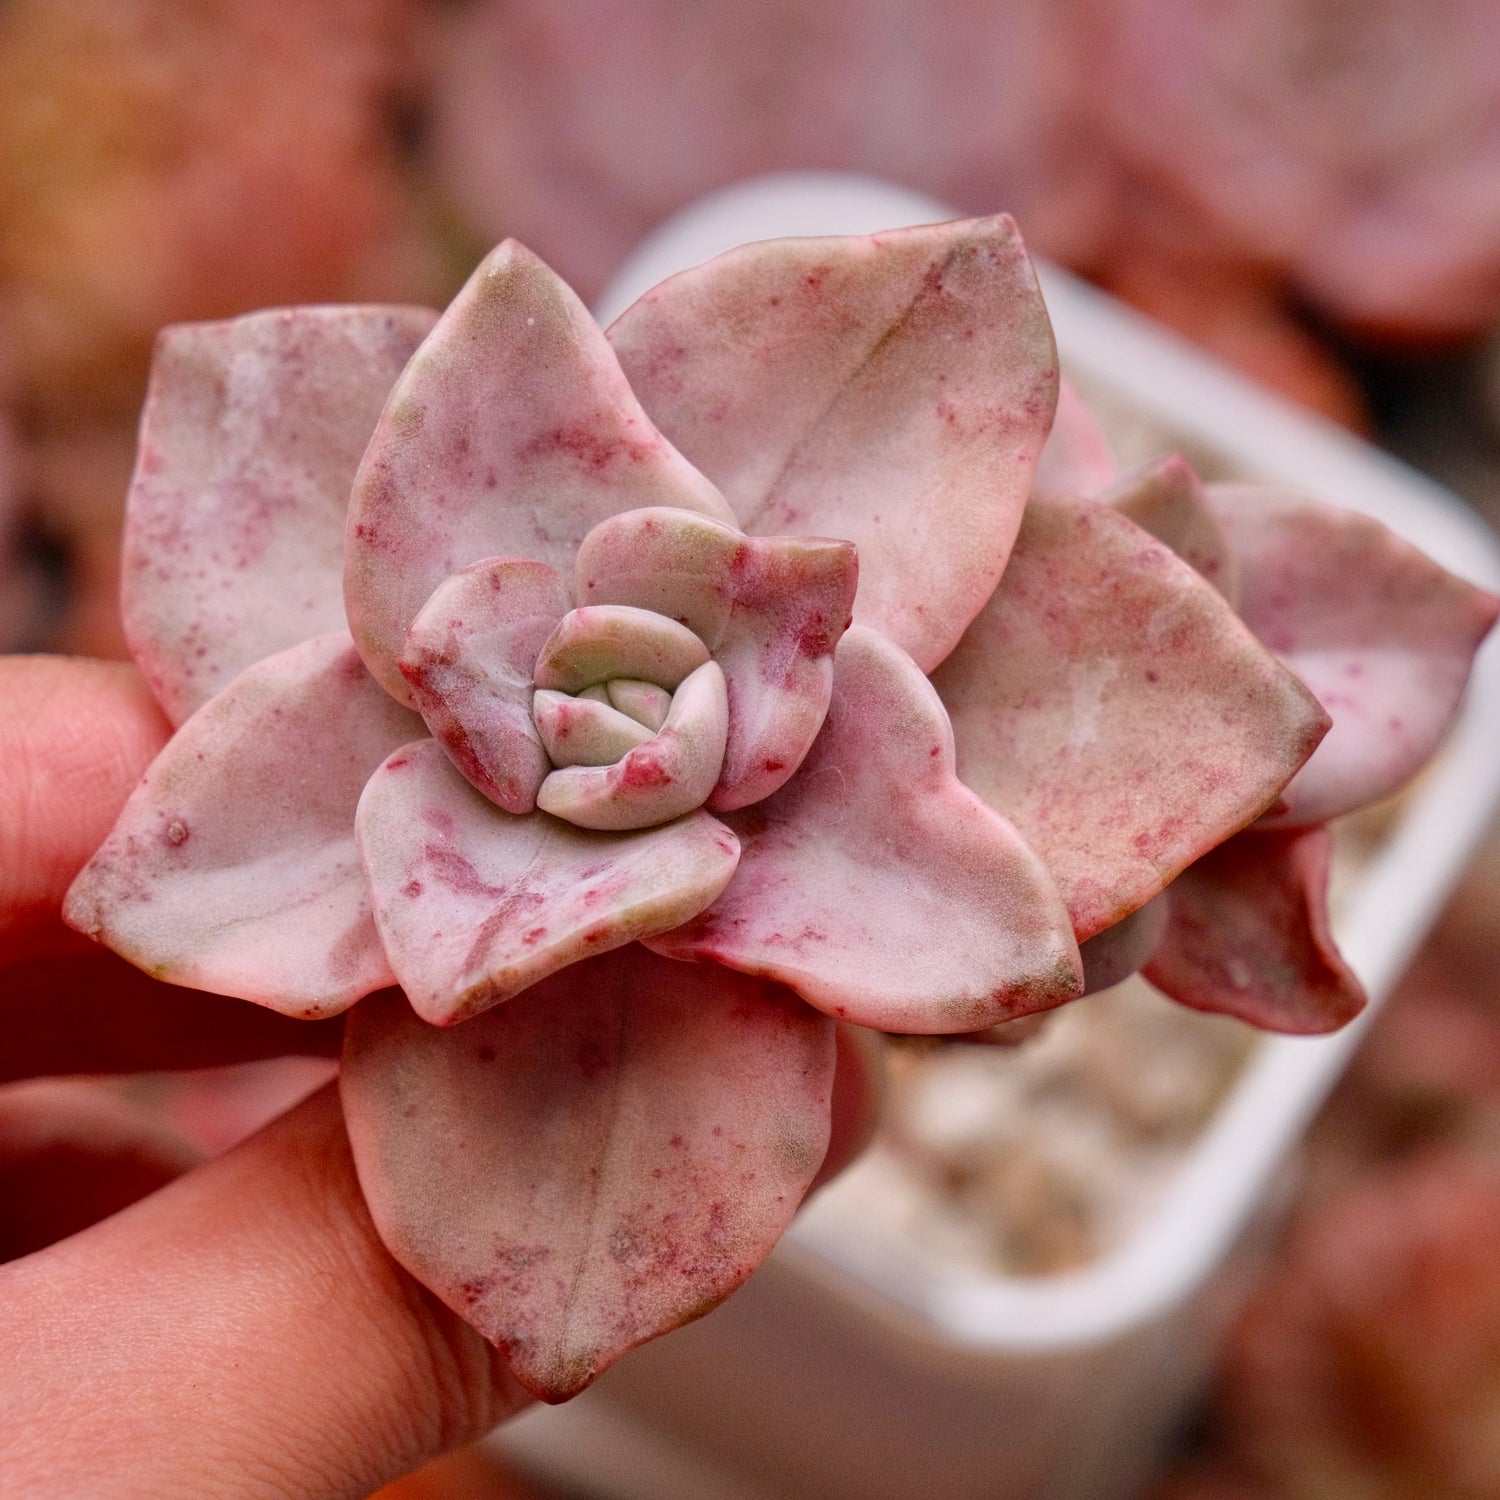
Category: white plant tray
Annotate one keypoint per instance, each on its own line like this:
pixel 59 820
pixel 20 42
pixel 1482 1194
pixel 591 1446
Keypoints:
pixel 847 1370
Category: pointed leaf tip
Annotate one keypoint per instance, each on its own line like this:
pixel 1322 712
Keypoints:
pixel 1109 702
pixel 510 433
pixel 1382 636
pixel 1247 935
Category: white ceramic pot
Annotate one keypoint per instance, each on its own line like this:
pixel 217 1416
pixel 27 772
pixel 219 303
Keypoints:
pixel 847 1369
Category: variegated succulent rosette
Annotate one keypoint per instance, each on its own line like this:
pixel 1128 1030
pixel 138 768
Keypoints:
pixel 644 704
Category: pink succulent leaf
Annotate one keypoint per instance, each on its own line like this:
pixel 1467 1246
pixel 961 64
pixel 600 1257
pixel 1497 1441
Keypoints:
pixel 511 433
pixel 1388 659
pixel 598 1162
pixel 583 731
pixel 1119 951
pixel 669 775
pixel 602 641
pixel 771 609
pixel 877 885
pixel 1248 936
pixel 893 390
pixel 1166 498
pixel 474 905
pixel 1110 703
pixel 234 528
pixel 644 702
pixel 233 867
pixel 468 660
pixel 1076 457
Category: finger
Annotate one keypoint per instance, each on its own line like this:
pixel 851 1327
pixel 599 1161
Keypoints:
pixel 95 1013
pixel 72 1153
pixel 242 1333
pixel 75 737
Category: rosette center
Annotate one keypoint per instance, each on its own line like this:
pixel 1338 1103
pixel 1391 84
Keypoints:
pixel 634 716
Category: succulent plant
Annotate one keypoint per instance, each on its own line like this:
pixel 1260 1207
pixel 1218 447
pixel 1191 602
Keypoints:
pixel 612 715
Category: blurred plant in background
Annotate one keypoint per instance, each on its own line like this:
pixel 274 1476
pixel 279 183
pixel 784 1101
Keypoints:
pixel 161 162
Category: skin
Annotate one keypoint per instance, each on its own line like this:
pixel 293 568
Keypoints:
pixel 240 1331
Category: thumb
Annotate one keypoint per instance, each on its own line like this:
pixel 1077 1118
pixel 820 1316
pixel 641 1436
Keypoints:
pixel 241 1333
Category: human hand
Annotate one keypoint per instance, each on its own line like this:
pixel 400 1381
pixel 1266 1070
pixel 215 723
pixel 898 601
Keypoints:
pixel 242 1331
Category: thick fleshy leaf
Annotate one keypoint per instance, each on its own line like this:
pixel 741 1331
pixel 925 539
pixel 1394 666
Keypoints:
pixel 1075 458
pixel 468 660
pixel 474 905
pixel 644 702
pixel 596 1163
pixel 511 433
pixel 771 609
pixel 1248 936
pixel 601 641
pixel 878 886
pixel 1381 634
pixel 671 774
pixel 1166 498
pixel 234 526
pixel 233 866
pixel 583 731
pixel 1118 951
pixel 1110 704
pixel 893 390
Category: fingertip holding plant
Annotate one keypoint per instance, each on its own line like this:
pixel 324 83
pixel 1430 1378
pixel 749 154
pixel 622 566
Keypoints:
pixel 708 683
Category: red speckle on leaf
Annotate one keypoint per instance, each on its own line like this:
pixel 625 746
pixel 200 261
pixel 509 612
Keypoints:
pixel 458 874
pixel 676 1143
pixel 586 448
pixel 772 766
pixel 1153 676
pixel 644 771
pixel 472 1290
pixel 814 639
pixel 534 936
pixel 412 888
